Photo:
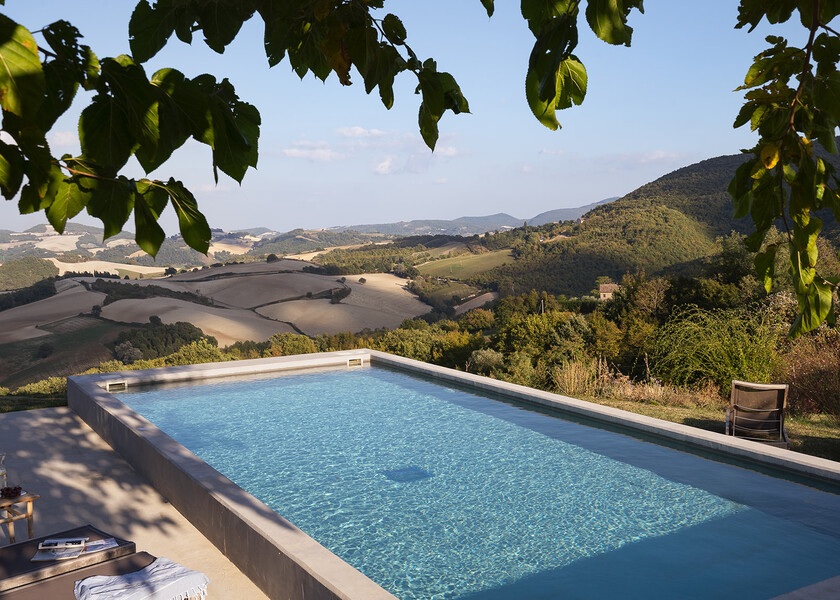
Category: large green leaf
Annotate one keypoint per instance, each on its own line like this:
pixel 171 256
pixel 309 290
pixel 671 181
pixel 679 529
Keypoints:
pixel 104 133
pixel 69 201
pixel 136 98
pixel 21 75
pixel 147 208
pixel 608 19
pixel 194 228
pixel 111 201
pixel 149 29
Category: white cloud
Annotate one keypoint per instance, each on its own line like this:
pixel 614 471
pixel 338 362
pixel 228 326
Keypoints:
pixel 386 167
pixel 553 151
pixel 442 181
pixel 447 151
pixel 313 151
pixel 527 169
pixel 359 132
pixel 63 139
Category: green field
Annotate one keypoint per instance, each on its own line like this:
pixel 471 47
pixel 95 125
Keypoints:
pixel 466 265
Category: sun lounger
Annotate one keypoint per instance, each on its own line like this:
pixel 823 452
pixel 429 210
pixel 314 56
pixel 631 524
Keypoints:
pixel 17 568
pixel 757 412
pixel 61 586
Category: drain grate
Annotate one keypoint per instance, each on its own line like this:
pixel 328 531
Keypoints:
pixel 406 474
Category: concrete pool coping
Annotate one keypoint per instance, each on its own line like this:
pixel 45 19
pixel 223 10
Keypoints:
pixel 279 558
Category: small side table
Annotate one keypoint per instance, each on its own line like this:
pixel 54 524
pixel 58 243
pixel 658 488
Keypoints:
pixel 7 505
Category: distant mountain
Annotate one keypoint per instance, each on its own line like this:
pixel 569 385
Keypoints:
pixel 566 214
pixel 468 226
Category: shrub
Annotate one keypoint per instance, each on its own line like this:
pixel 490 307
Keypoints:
pixel 52 386
pixel 486 361
pixel 286 344
pixel 44 350
pixel 339 294
pixel 127 353
pixel 811 365
pixel 718 345
pixel 201 351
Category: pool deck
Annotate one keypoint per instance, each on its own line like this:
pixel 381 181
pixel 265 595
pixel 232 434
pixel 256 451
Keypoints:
pixel 80 479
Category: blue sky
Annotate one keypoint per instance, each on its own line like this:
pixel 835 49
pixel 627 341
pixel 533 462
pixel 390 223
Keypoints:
pixel 331 155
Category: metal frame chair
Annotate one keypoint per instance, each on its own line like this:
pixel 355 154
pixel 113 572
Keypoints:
pixel 757 412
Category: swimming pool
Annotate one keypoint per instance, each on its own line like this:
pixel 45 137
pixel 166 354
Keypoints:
pixel 437 492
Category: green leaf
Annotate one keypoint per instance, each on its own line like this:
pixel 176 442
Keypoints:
pixel 148 233
pixel 608 20
pixel 104 133
pixel 221 21
pixel 428 126
pixel 69 200
pixel 136 98
pixel 149 29
pixel 488 6
pixel 21 75
pixel 827 95
pixel 815 305
pixel 765 265
pixel 234 128
pixel 111 201
pixel 571 83
pixel 394 29
pixel 194 227
pixel 11 170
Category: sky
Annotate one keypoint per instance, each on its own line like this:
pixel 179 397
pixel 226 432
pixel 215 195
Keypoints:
pixel 331 155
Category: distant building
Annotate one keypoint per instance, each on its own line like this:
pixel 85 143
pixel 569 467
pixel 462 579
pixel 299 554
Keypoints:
pixel 605 290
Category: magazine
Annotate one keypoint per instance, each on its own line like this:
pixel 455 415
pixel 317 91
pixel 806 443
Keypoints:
pixel 56 554
pixel 98 545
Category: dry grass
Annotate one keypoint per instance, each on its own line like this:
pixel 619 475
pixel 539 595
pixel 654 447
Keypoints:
pixel 701 406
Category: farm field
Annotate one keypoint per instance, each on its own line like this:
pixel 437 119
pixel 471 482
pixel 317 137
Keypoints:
pixel 22 322
pixel 102 266
pixel 227 325
pixel 382 301
pixel 65 347
pixel 465 265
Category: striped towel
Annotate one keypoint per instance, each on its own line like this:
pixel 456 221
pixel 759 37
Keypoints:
pixel 161 580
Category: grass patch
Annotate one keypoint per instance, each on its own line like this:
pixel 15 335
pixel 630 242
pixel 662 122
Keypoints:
pixel 815 435
pixel 445 249
pixel 446 291
pixel 466 265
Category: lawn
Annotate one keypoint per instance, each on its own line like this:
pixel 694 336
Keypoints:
pixel 465 265
pixel 817 435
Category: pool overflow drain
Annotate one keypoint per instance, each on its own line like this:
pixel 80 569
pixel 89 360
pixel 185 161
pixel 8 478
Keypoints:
pixel 406 474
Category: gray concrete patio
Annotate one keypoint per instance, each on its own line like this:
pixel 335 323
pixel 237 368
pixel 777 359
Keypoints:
pixel 81 480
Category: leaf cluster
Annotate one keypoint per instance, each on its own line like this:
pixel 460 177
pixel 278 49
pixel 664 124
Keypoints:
pixel 792 101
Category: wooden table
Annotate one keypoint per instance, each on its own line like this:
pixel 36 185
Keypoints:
pixel 7 505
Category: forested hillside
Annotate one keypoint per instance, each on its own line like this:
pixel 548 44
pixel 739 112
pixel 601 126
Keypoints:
pixel 648 238
pixel 24 272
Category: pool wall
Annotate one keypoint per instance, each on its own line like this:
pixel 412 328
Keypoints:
pixel 282 560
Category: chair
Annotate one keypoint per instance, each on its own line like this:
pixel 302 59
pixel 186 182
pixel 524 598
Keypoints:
pixel 757 412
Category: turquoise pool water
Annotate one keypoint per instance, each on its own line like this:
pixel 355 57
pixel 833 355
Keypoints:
pixel 439 493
